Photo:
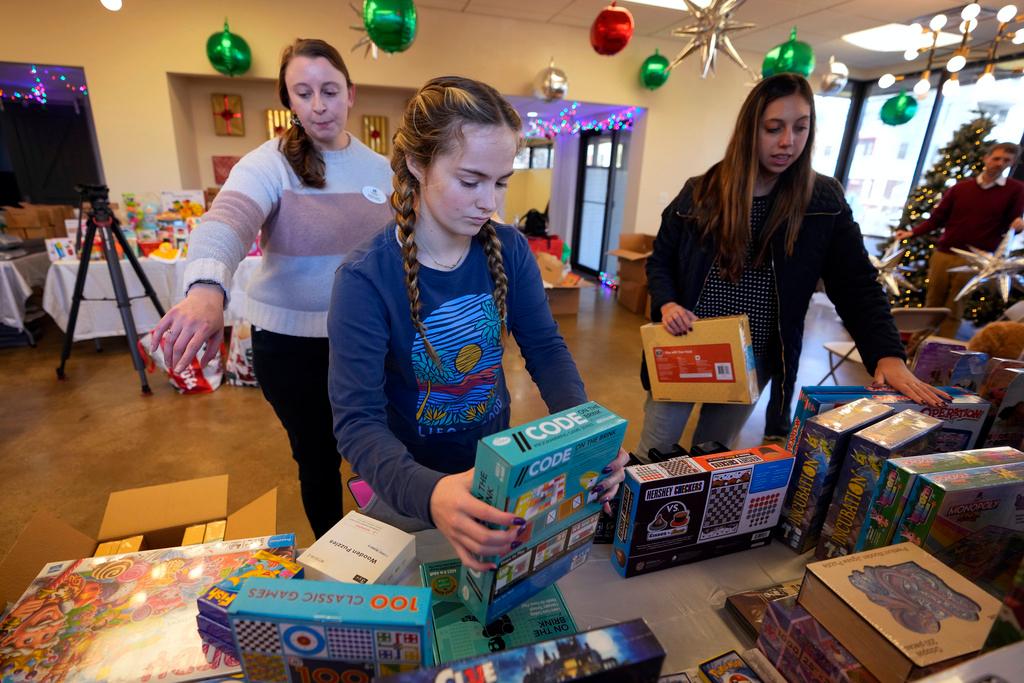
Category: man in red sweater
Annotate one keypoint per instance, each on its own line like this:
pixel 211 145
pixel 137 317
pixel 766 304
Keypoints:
pixel 975 212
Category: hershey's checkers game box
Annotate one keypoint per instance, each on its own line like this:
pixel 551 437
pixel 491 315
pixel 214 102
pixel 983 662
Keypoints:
pixel 543 471
pixel 687 509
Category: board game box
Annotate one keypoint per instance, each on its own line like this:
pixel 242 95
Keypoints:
pixel 544 472
pixel 819 457
pixel 1009 624
pixel 686 509
pixel 934 361
pixel 613 654
pixel 727 668
pixel 124 618
pixel 963 415
pixel 800 648
pixel 360 549
pixel 968 371
pixel 904 434
pixel 1005 391
pixel 324 630
pixel 749 607
pixel 945 507
pixel 898 476
pixel 458 634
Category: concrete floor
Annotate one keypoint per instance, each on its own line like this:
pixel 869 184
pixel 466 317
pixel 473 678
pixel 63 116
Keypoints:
pixel 64 446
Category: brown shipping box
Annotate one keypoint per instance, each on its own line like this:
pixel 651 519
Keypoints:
pixel 563 290
pixel 632 253
pixel 160 514
pixel 713 363
pixel 633 297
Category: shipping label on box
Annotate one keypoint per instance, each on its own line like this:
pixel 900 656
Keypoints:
pixel 685 509
pixel 324 630
pixel 898 476
pixel 713 363
pixel 360 549
pixel 963 415
pixel 904 434
pixel 543 472
pixel 818 459
pixel 944 507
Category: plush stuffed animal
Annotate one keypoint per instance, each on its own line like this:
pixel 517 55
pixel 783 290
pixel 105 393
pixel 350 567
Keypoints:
pixel 1004 339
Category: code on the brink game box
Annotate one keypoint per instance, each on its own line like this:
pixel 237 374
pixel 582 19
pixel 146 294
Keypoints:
pixel 687 509
pixel 329 631
pixel 544 472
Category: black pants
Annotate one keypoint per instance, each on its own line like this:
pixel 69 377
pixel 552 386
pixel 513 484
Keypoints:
pixel 292 372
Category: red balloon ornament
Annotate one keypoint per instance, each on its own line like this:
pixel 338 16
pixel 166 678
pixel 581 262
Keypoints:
pixel 611 30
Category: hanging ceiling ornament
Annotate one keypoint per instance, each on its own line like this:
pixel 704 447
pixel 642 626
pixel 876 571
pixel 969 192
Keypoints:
pixel 793 56
pixel 710 31
pixel 228 52
pixel 899 109
pixel 890 272
pixel 551 83
pixel 833 82
pixel 996 267
pixel 611 30
pixel 654 71
pixel 390 25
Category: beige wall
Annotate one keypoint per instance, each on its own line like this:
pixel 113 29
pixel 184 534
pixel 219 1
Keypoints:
pixel 527 189
pixel 137 112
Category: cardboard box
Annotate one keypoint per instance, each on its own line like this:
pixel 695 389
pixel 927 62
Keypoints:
pixel 626 652
pixel 1005 425
pixel 934 361
pixel 944 507
pixel 968 371
pixel 632 253
pixel 633 297
pixel 963 415
pixel 819 457
pixel 898 610
pixel 543 472
pixel 714 363
pixel 904 434
pixel 562 288
pixel 726 668
pixel 898 476
pixel 291 630
pixel 276 563
pixel 690 508
pixel 159 513
pixel 458 634
pixel 359 549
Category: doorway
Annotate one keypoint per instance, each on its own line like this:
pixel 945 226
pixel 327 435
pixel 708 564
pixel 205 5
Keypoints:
pixel 600 198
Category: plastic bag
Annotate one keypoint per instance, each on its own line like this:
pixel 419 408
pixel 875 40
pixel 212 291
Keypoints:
pixel 239 370
pixel 193 379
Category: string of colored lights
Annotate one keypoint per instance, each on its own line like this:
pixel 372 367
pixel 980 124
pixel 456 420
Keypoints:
pixel 566 124
pixel 38 92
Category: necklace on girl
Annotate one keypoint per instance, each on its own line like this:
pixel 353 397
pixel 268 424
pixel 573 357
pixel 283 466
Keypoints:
pixel 444 266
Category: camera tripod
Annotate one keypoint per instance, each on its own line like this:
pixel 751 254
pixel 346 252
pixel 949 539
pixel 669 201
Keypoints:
pixel 102 220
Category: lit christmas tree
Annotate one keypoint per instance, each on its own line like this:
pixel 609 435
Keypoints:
pixel 961 158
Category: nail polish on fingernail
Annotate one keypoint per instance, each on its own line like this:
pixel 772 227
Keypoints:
pixel 598 488
pixel 515 544
pixel 519 521
pixel 522 529
pixel 606 470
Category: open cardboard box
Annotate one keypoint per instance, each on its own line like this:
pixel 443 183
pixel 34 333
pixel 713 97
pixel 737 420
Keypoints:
pixel 563 290
pixel 632 253
pixel 159 513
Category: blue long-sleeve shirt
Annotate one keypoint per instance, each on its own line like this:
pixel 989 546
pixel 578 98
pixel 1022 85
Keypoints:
pixel 403 422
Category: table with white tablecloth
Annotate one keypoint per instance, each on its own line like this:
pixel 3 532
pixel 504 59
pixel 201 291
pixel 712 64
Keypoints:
pixel 17 278
pixel 98 315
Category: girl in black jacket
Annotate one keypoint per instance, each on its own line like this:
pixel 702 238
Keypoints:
pixel 754 235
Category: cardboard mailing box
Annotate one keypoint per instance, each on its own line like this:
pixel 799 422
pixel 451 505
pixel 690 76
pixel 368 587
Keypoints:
pixel 159 513
pixel 633 297
pixel 563 289
pixel 632 253
pixel 714 363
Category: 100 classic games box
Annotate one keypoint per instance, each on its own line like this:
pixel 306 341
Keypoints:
pixel 687 509
pixel 544 472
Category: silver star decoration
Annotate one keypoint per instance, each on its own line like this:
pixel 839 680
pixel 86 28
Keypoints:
pixel 889 269
pixel 709 32
pixel 364 41
pixel 997 267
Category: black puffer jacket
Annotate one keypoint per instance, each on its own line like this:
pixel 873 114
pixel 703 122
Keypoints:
pixel 829 248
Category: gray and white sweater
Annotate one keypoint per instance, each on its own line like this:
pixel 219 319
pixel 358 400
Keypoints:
pixel 306 232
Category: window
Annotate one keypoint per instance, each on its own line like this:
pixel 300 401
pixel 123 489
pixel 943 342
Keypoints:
pixel 831 113
pixel 866 147
pixel 537 156
pixel 891 185
pixel 904 147
pixel 522 159
pixel 540 157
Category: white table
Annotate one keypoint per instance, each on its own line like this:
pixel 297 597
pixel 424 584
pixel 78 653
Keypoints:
pixel 17 278
pixel 684 605
pixel 102 319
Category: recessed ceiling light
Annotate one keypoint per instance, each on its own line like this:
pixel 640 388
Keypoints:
pixel 672 4
pixel 893 38
pixel 531 114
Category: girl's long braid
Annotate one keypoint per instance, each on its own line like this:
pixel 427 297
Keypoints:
pixel 492 247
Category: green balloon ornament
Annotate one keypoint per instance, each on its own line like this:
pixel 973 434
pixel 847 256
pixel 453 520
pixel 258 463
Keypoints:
pixel 898 110
pixel 391 24
pixel 228 52
pixel 654 71
pixel 792 56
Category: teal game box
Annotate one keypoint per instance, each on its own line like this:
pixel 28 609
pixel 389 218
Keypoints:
pixel 544 472
pixel 326 631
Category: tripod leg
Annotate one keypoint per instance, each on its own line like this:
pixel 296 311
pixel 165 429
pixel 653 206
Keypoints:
pixel 76 298
pixel 132 259
pixel 124 304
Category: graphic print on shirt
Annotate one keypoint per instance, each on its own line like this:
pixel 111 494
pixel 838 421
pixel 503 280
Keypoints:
pixel 466 334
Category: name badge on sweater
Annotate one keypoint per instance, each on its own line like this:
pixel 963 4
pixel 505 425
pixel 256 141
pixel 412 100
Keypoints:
pixel 374 194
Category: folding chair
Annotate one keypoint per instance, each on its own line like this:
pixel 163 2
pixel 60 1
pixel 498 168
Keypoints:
pixel 909 321
pixel 1014 313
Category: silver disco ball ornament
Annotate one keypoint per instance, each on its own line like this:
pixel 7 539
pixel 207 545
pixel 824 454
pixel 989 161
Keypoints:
pixel 834 80
pixel 551 83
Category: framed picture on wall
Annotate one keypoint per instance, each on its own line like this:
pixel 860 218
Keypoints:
pixel 227 114
pixel 278 121
pixel 375 134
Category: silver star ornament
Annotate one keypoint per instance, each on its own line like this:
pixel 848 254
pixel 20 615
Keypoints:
pixel 890 272
pixel 364 41
pixel 710 30
pixel 997 267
